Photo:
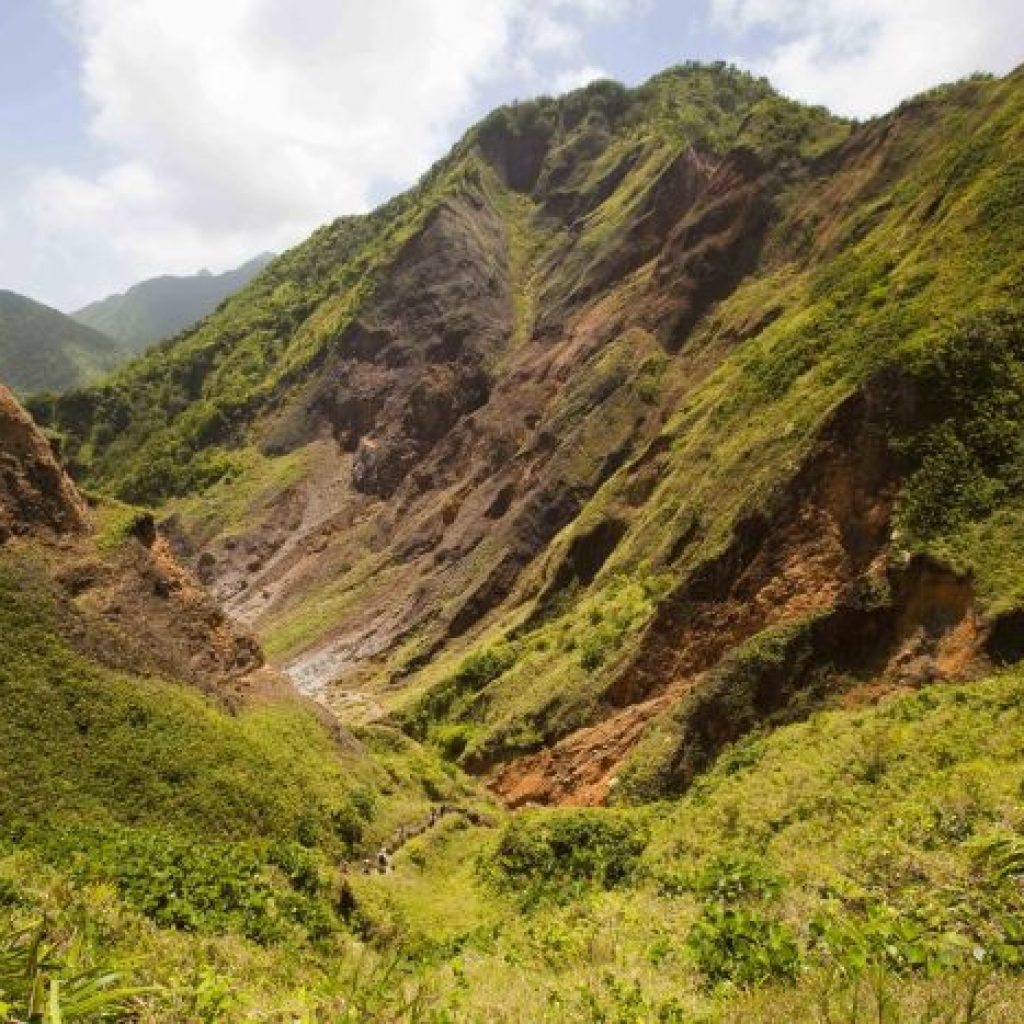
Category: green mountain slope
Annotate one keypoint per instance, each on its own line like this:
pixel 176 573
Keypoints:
pixel 41 349
pixel 629 379
pixel 863 864
pixel 164 306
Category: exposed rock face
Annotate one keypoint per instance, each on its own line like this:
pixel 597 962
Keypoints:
pixel 483 453
pixel 415 362
pixel 163 618
pixel 141 610
pixel 716 243
pixel 35 493
pixel 662 336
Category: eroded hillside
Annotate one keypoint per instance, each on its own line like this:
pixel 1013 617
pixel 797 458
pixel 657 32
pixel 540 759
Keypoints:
pixel 646 417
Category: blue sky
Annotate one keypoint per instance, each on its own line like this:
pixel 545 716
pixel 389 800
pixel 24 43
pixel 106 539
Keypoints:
pixel 144 137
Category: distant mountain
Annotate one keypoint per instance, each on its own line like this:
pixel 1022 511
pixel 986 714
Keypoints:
pixel 163 306
pixel 41 349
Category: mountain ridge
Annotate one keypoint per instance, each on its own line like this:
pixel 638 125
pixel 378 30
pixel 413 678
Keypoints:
pixel 161 307
pixel 41 349
pixel 643 494
pixel 505 376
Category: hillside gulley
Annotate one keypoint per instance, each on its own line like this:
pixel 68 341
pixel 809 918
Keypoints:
pixel 630 379
pixel 654 470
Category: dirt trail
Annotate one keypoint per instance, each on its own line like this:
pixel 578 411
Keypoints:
pixel 404 834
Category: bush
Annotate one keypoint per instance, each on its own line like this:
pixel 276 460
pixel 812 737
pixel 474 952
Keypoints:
pixel 727 878
pixel 263 892
pixel 885 937
pixel 557 852
pixel 967 456
pixel 476 671
pixel 739 945
pixel 482 667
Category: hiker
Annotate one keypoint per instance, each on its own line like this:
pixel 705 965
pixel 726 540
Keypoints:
pixel 367 866
pixel 433 816
pixel 346 901
pixel 383 860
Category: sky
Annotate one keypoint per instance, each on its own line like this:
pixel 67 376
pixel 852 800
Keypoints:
pixel 142 137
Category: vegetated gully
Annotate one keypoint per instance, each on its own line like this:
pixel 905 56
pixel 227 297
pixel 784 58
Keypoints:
pixel 823 543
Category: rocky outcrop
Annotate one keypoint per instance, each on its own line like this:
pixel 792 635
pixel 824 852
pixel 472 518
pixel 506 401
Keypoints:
pixel 415 362
pixel 138 608
pixel 35 493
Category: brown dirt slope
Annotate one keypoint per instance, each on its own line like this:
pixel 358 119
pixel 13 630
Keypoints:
pixel 132 605
pixel 34 490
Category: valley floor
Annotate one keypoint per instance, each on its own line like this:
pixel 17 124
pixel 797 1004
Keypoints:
pixel 862 866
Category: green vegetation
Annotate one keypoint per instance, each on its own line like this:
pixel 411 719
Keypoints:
pixel 242 499
pixel 111 748
pixel 499 699
pixel 554 853
pixel 165 306
pixel 136 812
pixel 791 840
pixel 862 865
pixel 41 349
pixel 969 459
pixel 40 981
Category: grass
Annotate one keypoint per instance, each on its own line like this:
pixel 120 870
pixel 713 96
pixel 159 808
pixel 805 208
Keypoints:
pixel 136 812
pixel 432 905
pixel 855 844
pixel 241 501
pixel 852 867
pixel 862 865
pixel 499 700
pixel 82 742
pixel 981 548
pixel 310 616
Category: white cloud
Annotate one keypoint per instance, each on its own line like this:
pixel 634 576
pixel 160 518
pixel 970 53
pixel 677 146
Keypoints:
pixel 232 126
pixel 574 78
pixel 861 57
pixel 547 34
pixel 224 127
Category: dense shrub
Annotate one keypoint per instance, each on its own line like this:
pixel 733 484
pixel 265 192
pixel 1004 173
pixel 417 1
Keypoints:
pixel 263 892
pixel 557 853
pixel 968 454
pixel 728 877
pixel 484 666
pixel 474 673
pixel 736 944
